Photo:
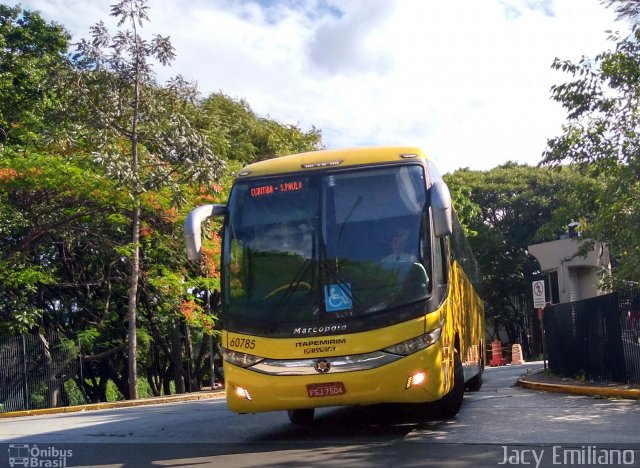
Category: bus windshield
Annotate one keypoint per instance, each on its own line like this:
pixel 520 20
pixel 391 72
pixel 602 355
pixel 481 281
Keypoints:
pixel 327 246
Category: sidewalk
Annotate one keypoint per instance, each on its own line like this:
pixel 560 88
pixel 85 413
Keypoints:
pixel 548 382
pixel 202 395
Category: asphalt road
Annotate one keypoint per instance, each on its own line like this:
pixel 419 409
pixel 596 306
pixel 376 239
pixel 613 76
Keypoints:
pixel 498 425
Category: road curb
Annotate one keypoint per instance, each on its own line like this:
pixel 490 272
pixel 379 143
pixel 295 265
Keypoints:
pixel 115 404
pixel 588 390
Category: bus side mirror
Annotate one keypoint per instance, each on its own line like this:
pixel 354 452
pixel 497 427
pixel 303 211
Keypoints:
pixel 193 230
pixel 441 209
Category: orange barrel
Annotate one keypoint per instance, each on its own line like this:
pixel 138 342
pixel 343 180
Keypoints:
pixel 516 354
pixel 496 353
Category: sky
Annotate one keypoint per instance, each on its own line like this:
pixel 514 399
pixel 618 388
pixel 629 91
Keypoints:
pixel 468 81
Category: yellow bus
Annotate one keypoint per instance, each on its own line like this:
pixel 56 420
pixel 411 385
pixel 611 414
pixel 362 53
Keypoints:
pixel 346 280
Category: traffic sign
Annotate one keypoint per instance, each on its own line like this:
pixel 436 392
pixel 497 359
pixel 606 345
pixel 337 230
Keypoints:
pixel 538 294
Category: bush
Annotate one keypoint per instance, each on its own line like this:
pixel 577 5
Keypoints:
pixel 74 395
pixel 112 393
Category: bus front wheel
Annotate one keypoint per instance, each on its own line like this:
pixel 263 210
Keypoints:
pixel 301 416
pixel 450 404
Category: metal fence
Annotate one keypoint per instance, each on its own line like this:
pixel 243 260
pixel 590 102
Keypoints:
pixel 49 370
pixel 629 307
pixel 33 369
pixel 595 339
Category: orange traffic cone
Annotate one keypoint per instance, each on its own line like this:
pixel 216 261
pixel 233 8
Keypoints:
pixel 516 354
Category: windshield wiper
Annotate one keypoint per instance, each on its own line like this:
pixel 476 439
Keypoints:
pixel 293 285
pixel 331 273
pixel 346 219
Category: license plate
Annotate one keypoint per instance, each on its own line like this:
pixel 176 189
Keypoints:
pixel 326 389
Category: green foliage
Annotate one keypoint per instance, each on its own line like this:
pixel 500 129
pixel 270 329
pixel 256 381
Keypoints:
pixel 601 135
pixel 19 284
pixel 31 60
pixel 54 234
pixel 67 347
pixel 141 133
pixel 38 395
pixel 239 135
pixel 626 9
pixel 145 135
pixel 112 393
pixel 144 389
pixel 74 395
pixel 508 208
pixel 67 208
pixel 87 338
pixel 466 209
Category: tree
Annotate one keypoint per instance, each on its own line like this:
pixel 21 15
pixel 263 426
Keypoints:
pixel 51 211
pixel 123 103
pixel 506 209
pixel 63 269
pixel 59 270
pixel 238 134
pixel 601 137
pixel 626 9
pixel 32 56
pixel 69 191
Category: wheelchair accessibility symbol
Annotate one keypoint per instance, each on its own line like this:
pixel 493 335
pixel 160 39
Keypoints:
pixel 338 297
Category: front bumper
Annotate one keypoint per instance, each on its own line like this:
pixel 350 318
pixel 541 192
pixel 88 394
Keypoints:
pixel 249 391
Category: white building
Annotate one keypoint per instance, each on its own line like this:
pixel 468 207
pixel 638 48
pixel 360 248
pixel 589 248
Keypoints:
pixel 572 276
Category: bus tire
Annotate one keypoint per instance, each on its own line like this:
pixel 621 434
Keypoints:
pixel 475 383
pixel 301 417
pixel 450 404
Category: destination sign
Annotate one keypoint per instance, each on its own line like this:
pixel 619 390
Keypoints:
pixel 270 189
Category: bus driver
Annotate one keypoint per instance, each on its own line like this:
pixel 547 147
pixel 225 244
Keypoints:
pixel 398 245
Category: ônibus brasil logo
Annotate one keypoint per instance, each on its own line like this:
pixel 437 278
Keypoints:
pixel 34 456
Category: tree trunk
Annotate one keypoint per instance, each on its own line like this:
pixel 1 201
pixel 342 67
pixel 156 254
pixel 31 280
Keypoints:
pixel 176 357
pixel 50 373
pixel 189 350
pixel 199 366
pixel 133 295
pixel 135 228
pixel 161 351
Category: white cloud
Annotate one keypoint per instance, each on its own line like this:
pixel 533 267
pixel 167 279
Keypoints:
pixel 347 44
pixel 468 81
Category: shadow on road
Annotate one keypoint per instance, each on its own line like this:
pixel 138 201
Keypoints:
pixel 359 423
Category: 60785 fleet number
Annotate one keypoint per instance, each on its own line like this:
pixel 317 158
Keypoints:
pixel 243 343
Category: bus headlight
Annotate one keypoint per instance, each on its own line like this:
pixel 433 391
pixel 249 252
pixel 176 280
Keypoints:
pixel 415 344
pixel 240 359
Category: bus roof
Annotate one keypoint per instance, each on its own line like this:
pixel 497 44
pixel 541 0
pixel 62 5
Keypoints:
pixel 322 159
